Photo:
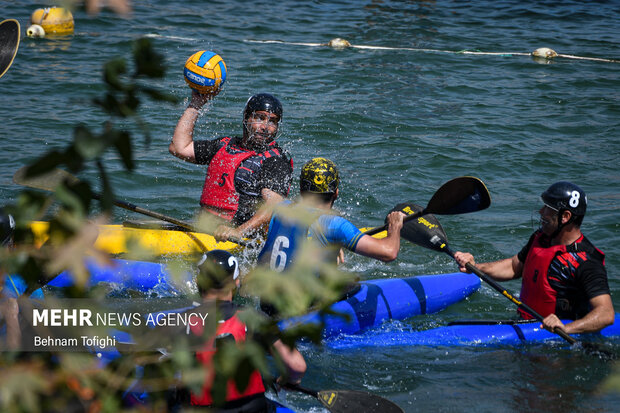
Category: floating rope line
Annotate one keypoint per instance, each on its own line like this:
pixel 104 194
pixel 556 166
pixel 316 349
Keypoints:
pixel 543 52
pixel 162 36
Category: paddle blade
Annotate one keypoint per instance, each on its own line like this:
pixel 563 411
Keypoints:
pixel 351 401
pixel 425 230
pixel 48 181
pixel 460 196
pixel 9 43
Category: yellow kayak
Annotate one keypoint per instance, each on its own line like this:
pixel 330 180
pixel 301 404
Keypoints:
pixel 117 239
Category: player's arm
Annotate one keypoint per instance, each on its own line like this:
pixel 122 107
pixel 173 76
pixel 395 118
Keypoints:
pixel 601 316
pixel 182 145
pixel 260 219
pixel 384 249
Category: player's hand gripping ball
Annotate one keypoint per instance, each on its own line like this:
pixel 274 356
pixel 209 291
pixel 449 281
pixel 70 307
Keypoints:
pixel 205 72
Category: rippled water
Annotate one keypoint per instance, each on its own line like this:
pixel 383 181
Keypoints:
pixel 399 123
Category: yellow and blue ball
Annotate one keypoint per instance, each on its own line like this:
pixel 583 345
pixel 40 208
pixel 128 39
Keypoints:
pixel 205 71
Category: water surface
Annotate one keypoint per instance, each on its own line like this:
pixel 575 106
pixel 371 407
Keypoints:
pixel 399 123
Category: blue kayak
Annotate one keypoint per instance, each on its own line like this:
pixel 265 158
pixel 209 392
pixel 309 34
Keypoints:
pixel 476 333
pixel 137 275
pixel 375 302
pixel 392 299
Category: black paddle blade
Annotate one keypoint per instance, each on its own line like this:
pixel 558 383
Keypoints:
pixel 460 196
pixel 425 230
pixel 351 401
pixel 9 43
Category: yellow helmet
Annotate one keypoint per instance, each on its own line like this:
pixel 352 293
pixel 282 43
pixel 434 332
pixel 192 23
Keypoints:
pixel 319 176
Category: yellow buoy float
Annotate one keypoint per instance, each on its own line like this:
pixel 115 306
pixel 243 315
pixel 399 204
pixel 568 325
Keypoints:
pixel 53 20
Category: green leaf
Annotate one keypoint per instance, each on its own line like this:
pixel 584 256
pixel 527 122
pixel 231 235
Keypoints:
pixel 72 200
pixel 83 191
pixel 243 373
pixel 257 356
pixel 73 160
pixel 46 163
pixel 107 195
pixel 109 104
pixel 86 144
pixel 112 71
pixel 132 102
pixel 122 142
pixel 124 109
pixel 32 271
pixel 148 62
pixel 30 206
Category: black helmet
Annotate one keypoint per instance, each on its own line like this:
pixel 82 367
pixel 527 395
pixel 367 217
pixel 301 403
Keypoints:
pixel 263 102
pixel 319 176
pixel 216 269
pixel 7 228
pixel 566 196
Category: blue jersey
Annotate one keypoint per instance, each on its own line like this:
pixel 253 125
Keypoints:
pixel 287 235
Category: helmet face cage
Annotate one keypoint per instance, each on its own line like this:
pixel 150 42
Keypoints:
pixel 320 176
pixel 248 132
pixel 262 102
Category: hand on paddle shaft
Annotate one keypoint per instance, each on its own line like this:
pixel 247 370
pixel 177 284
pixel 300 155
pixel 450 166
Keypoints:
pixel 427 232
pixel 51 180
pixel 349 401
pixel 457 196
pixel 486 278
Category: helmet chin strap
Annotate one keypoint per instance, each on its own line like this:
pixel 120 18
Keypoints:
pixel 560 225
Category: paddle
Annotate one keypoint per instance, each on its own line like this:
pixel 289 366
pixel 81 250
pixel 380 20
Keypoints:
pixel 50 181
pixel 457 196
pixel 427 232
pixel 9 43
pixel 349 401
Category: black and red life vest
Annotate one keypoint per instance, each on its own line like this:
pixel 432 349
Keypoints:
pixel 219 195
pixel 232 326
pixel 549 266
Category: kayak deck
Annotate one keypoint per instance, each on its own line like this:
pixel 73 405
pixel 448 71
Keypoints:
pixel 159 238
pixel 392 299
pixel 375 302
pixel 119 239
pixel 475 334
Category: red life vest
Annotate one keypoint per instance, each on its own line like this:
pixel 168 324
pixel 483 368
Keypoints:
pixel 237 329
pixel 536 289
pixel 219 195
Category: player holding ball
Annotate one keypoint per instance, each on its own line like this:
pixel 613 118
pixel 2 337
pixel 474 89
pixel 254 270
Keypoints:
pixel 243 172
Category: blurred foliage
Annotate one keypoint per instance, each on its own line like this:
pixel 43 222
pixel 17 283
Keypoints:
pixel 49 382
pixel 612 383
pixel 72 197
pixel 121 7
